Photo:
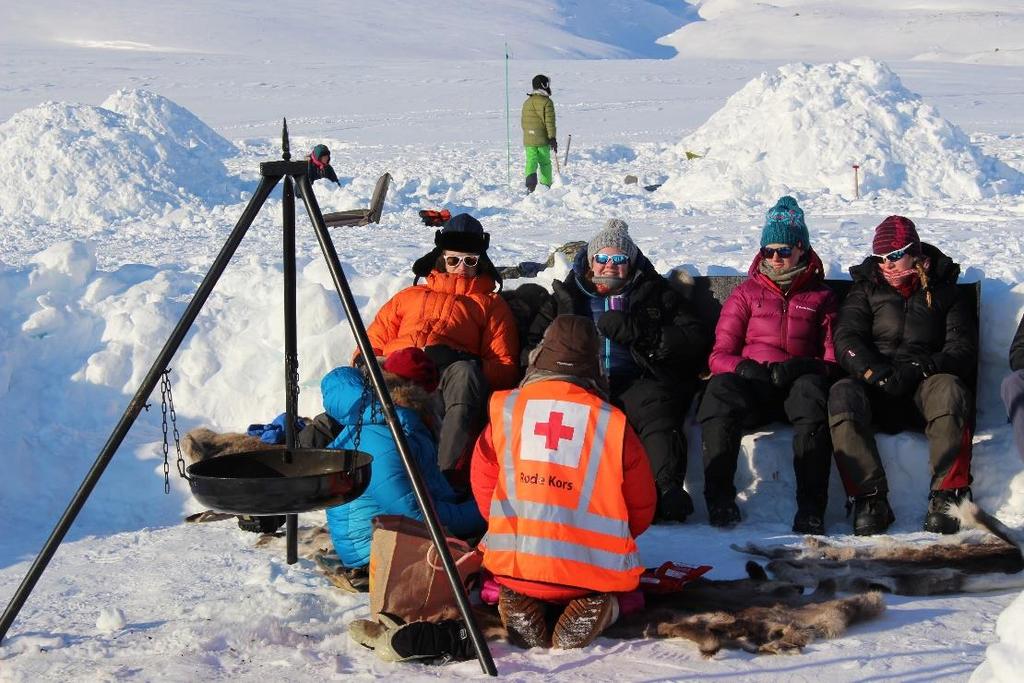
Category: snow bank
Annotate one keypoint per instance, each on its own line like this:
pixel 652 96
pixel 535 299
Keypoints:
pixel 145 109
pixel 84 164
pixel 801 128
pixel 1004 660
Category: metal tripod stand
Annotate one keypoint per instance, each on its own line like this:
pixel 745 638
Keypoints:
pixel 293 173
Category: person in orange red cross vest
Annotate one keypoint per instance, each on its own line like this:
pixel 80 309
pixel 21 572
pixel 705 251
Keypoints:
pixel 565 485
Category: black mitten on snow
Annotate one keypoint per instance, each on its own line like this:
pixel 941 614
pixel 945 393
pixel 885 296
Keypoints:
pixel 553 144
pixel 785 373
pixel 752 370
pixel 443 355
pixel 618 326
pixel 394 641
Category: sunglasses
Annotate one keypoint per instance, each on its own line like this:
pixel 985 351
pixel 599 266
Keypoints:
pixel 894 255
pixel 783 252
pixel 616 259
pixel 454 261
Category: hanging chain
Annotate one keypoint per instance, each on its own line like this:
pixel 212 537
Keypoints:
pixel 167 408
pixel 365 401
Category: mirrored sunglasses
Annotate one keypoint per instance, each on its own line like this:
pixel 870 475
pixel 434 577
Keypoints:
pixel 454 261
pixel 894 255
pixel 783 252
pixel 616 259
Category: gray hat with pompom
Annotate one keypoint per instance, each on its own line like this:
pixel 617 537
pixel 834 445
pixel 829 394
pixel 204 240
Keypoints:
pixel 614 234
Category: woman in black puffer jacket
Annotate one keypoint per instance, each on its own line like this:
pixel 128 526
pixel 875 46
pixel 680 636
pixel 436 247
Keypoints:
pixel 910 344
pixel 652 348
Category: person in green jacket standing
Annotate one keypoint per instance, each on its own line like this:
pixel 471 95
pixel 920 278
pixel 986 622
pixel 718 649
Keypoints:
pixel 538 121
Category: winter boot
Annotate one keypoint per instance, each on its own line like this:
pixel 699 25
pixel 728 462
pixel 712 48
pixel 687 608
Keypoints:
pixel 523 618
pixel 674 505
pixel 871 515
pixel 809 521
pixel 531 183
pixel 267 524
pixel 938 520
pixel 723 513
pixel 394 641
pixel 584 619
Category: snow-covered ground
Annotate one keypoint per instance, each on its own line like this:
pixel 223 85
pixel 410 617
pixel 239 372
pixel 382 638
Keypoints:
pixel 131 141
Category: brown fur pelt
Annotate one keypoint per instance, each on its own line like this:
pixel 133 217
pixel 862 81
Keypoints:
pixel 201 444
pixel 754 614
pixel 956 565
pixel 312 541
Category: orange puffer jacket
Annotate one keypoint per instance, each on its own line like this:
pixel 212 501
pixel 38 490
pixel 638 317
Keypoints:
pixel 464 313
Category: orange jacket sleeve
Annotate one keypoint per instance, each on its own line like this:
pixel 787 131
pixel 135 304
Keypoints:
pixel 499 351
pixel 483 473
pixel 637 484
pixel 385 325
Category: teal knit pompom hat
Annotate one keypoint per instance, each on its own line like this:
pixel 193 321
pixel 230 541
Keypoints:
pixel 784 224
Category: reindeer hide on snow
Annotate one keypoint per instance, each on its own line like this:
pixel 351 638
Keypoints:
pixel 958 564
pixel 202 443
pixel 754 614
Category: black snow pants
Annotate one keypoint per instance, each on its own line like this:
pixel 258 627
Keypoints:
pixel 732 404
pixel 656 411
pixel 941 405
pixel 463 393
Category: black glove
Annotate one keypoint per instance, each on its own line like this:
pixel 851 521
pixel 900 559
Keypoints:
pixel 444 355
pixel 752 370
pixel 786 372
pixel 878 375
pixel 903 380
pixel 672 343
pixel 619 326
pixel 553 144
pixel 927 365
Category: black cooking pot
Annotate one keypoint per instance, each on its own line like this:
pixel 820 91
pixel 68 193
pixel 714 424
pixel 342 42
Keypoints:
pixel 278 481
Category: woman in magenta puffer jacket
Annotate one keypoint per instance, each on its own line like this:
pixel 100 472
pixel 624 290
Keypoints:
pixel 773 360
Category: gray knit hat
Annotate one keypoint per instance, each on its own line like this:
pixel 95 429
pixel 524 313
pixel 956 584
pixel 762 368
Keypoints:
pixel 614 234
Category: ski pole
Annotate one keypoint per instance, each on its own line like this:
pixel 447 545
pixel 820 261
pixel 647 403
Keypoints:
pixel 568 144
pixel 558 169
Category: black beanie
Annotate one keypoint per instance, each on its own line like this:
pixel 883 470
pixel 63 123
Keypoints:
pixel 464 233
pixel 542 82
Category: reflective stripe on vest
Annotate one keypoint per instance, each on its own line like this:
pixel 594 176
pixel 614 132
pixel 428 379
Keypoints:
pixel 546 547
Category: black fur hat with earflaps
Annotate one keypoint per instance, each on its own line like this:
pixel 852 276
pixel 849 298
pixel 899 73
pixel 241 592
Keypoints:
pixel 462 233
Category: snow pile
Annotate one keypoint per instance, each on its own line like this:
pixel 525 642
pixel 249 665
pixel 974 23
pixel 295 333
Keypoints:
pixel 84 164
pixel 147 109
pixel 800 130
pixel 1004 660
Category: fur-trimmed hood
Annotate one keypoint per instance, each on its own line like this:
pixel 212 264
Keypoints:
pixel 348 395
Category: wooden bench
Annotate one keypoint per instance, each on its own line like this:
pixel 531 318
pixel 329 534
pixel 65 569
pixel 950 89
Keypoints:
pixel 356 217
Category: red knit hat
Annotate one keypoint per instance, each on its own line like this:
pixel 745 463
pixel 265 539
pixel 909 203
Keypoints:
pixel 413 364
pixel 895 232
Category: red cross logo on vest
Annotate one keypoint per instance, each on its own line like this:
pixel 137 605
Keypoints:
pixel 553 431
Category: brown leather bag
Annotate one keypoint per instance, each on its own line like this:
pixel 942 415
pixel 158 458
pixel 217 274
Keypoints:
pixel 407 576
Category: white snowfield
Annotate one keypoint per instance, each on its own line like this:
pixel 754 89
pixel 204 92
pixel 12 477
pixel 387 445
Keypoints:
pixel 113 206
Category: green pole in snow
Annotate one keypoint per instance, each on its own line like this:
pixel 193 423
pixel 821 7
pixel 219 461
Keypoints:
pixel 508 134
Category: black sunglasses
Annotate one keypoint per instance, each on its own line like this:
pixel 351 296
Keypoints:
pixel 783 252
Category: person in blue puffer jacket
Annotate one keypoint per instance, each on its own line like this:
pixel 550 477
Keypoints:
pixel 348 398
